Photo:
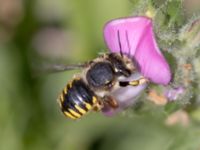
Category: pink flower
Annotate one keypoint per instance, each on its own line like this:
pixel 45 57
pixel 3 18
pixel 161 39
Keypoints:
pixel 135 37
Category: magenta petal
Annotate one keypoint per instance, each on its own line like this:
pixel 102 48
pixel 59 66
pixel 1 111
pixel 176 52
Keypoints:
pixel 136 38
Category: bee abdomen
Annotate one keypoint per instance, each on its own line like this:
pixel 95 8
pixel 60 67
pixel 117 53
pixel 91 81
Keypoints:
pixel 77 99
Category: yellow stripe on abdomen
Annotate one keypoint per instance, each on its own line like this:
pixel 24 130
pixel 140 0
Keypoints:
pixel 87 105
pixel 94 100
pixel 74 113
pixel 69 115
pixel 81 110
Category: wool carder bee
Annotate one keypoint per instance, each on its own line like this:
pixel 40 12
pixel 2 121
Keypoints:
pixel 91 89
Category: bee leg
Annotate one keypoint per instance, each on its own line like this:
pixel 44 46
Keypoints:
pixel 134 82
pixel 111 102
pixel 98 106
pixel 107 101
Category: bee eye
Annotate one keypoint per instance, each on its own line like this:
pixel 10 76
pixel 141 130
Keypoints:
pixel 101 74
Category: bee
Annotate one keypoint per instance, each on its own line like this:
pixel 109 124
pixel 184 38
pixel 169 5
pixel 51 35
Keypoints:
pixel 92 88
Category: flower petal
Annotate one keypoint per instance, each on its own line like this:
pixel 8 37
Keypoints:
pixel 174 93
pixel 135 37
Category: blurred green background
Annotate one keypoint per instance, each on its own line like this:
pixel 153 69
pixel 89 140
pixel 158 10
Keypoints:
pixel 37 32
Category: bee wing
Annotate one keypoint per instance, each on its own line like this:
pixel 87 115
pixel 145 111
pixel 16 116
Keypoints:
pixel 134 36
pixel 60 68
pixel 53 68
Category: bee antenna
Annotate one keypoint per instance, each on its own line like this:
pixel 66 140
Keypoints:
pixel 119 41
pixel 129 47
